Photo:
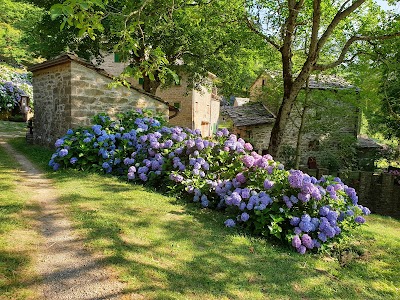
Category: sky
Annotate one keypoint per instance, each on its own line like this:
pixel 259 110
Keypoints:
pixel 385 5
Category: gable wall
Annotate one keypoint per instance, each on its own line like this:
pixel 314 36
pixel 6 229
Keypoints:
pixel 52 93
pixel 68 95
pixel 91 95
pixel 179 94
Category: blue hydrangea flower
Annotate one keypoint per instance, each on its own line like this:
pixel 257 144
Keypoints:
pixel 63 152
pixel 59 143
pixel 230 223
pixel 244 217
pixel 295 221
pixel 359 220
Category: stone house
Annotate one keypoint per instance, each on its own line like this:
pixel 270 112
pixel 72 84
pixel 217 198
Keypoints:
pixel 249 123
pixel 252 122
pixel 69 91
pixel 199 106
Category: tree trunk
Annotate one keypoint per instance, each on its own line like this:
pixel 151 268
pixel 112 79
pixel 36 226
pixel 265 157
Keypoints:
pixel 150 86
pixel 301 128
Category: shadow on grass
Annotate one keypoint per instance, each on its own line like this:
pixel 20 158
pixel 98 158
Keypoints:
pixel 169 250
pixel 219 263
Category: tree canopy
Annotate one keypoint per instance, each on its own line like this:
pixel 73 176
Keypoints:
pixel 16 18
pixel 331 32
pixel 162 38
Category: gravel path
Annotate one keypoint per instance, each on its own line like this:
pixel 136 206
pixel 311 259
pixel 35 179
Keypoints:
pixel 67 269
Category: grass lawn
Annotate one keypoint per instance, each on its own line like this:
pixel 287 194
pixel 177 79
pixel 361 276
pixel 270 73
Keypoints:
pixel 10 129
pixel 166 249
pixel 17 239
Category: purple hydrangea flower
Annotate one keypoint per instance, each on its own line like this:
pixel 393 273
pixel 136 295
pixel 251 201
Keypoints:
pixel 73 160
pixel 248 161
pixel 241 178
pixel 296 242
pixel 248 147
pixel 307 241
pixel 268 184
pixel 302 249
pixel 295 179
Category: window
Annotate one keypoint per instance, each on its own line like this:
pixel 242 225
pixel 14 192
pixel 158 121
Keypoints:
pixel 263 82
pixel 177 105
pixel 117 57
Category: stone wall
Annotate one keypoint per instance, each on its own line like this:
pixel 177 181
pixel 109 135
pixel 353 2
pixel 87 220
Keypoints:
pixel 379 192
pixel 68 94
pixel 343 117
pixel 180 96
pixel 203 111
pixel 90 95
pixel 52 92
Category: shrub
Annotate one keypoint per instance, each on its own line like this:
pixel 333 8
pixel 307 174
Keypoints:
pixel 221 173
pixel 13 83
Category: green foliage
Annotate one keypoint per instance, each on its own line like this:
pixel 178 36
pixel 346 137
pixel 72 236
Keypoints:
pixel 16 18
pixel 338 151
pixel 183 38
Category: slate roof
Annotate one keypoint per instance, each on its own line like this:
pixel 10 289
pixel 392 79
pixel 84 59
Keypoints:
pixel 328 82
pixel 250 114
pixel 366 142
pixel 318 82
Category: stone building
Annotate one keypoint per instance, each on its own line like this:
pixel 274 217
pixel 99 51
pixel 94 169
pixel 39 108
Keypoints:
pixel 69 91
pixel 199 107
pixel 249 122
pixel 252 122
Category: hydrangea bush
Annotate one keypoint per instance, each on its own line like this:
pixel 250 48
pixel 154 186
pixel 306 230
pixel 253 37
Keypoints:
pixel 222 173
pixel 13 83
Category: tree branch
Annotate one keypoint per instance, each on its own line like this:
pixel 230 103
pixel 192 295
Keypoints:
pixel 346 47
pixel 341 15
pixel 315 25
pixel 251 26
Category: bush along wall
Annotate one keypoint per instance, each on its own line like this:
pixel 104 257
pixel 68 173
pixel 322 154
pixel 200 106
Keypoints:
pixel 221 173
pixel 13 84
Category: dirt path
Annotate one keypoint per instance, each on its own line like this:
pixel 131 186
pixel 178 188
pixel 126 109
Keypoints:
pixel 67 269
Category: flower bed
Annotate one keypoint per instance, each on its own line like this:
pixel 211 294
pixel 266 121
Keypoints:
pixel 221 173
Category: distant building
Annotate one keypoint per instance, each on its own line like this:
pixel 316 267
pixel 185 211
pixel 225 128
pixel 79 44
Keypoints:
pixel 199 107
pixel 254 121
